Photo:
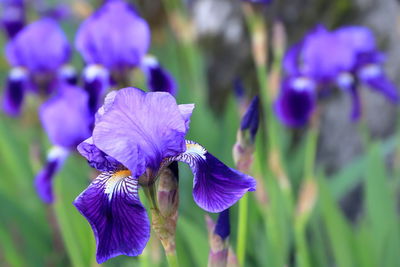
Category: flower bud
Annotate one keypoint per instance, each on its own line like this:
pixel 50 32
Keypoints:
pixel 219 239
pixel 167 190
pixel 244 148
pixel 165 216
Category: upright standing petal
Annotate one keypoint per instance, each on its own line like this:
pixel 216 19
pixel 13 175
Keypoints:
pixel 216 186
pixel 141 129
pixel 13 16
pixel 119 221
pixel 66 117
pixel 108 102
pixel 41 47
pixel 158 79
pixel 323 56
pixel 44 179
pixel 16 85
pixel 359 38
pixel 186 112
pixel 114 36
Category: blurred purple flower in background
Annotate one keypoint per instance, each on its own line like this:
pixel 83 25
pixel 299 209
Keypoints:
pixel 116 39
pixel 296 101
pixel 344 58
pixel 12 16
pixel 37 54
pixel 67 121
pixel 136 135
pixel 158 79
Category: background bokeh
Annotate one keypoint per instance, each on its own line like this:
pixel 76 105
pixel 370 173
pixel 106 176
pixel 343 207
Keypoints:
pixel 351 216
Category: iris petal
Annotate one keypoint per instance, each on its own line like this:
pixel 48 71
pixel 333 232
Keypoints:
pixel 108 102
pixel 141 129
pixel 186 112
pixel 40 47
pixel 158 79
pixel 296 101
pixel 102 38
pixel 44 179
pixel 119 221
pixel 347 83
pixel 96 158
pixel 66 117
pixel 96 82
pixel 15 91
pixel 216 186
pixel 374 77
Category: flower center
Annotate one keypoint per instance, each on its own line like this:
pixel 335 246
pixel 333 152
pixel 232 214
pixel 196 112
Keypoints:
pixel 114 180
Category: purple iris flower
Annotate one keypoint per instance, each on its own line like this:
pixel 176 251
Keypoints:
pixel 13 16
pixel 102 38
pixel 66 119
pixel 344 58
pixel 38 54
pixel 136 135
pixel 116 39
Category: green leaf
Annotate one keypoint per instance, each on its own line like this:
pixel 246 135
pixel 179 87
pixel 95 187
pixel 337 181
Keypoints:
pixel 381 210
pixel 339 232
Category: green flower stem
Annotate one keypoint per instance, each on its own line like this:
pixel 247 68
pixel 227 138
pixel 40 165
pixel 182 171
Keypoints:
pixel 242 229
pixel 311 151
pixel 151 195
pixel 172 259
pixel 302 254
pixel 307 196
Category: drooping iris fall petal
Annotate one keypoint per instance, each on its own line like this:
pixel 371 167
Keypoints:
pixel 118 219
pixel 44 179
pixel 216 186
pixel 296 101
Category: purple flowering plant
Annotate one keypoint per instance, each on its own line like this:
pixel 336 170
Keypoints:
pixel 345 58
pixel 67 120
pixel 12 17
pixel 113 41
pixel 135 137
pixel 38 55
